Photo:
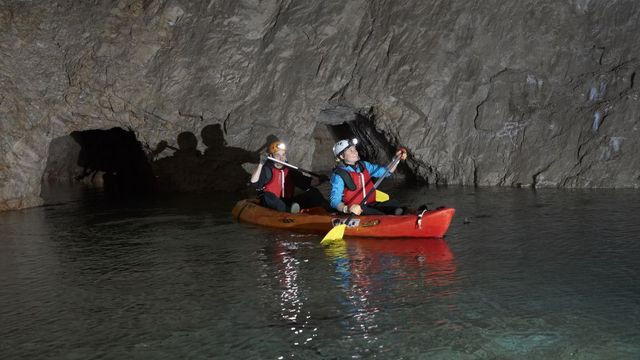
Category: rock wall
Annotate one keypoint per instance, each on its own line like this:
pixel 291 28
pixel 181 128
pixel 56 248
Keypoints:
pixel 531 93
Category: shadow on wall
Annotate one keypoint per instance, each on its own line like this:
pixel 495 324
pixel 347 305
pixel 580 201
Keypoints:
pixel 189 170
pixel 116 160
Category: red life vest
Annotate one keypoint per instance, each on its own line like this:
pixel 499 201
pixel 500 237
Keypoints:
pixel 363 185
pixel 280 183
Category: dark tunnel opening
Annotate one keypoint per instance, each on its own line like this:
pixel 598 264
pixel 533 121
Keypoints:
pixel 348 124
pixel 372 146
pixel 111 159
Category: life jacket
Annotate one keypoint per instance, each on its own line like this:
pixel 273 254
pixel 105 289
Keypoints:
pixel 356 184
pixel 279 182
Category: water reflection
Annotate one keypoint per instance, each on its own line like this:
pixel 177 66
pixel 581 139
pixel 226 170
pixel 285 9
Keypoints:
pixel 369 277
pixel 285 254
pixel 370 271
pixel 550 274
pixel 408 259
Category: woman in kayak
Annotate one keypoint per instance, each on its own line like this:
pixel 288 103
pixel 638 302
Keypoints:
pixel 351 180
pixel 276 183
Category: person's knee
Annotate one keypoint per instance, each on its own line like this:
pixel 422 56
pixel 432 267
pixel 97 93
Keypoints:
pixel 267 197
pixel 280 206
pixel 273 202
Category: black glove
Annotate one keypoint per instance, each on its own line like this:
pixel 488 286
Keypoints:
pixel 263 158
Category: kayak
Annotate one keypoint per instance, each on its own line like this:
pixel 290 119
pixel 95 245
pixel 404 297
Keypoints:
pixel 430 223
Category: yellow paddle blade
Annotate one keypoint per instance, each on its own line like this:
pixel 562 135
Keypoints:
pixel 334 234
pixel 337 250
pixel 381 196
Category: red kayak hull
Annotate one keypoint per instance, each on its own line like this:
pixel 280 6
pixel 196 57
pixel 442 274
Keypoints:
pixel 433 223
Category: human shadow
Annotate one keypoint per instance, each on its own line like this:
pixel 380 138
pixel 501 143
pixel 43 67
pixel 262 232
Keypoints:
pixel 218 169
pixel 223 163
pixel 187 145
pixel 218 152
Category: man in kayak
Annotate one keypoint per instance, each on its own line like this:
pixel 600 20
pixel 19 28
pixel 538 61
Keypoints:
pixel 351 180
pixel 276 183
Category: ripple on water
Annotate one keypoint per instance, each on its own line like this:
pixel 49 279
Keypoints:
pixel 545 274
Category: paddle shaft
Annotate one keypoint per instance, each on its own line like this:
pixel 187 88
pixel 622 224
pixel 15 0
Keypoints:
pixel 319 176
pixel 395 161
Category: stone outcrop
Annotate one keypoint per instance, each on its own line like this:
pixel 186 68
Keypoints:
pixel 531 93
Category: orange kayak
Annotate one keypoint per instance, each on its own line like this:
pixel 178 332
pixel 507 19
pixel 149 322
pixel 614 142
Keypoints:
pixel 432 223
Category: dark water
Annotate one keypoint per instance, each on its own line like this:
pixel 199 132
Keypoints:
pixel 521 274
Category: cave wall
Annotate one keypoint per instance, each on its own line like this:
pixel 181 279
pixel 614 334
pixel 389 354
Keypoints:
pixel 532 93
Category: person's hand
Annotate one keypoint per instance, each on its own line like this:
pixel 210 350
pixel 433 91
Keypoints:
pixel 263 158
pixel 402 154
pixel 355 209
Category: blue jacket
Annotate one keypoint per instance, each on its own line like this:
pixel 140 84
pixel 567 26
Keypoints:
pixel 337 184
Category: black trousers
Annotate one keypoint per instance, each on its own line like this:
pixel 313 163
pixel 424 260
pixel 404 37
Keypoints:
pixel 308 199
pixel 388 207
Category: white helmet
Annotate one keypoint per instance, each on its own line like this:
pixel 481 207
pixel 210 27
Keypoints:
pixel 342 145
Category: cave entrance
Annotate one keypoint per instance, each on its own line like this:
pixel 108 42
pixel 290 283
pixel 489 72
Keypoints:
pixel 112 159
pixel 348 123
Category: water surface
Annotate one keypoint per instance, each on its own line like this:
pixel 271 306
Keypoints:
pixel 521 274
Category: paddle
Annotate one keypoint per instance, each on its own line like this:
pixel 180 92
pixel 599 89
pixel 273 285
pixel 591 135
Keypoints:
pixel 380 195
pixel 319 176
pixel 338 231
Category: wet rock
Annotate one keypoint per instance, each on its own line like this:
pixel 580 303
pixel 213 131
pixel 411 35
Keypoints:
pixel 480 93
